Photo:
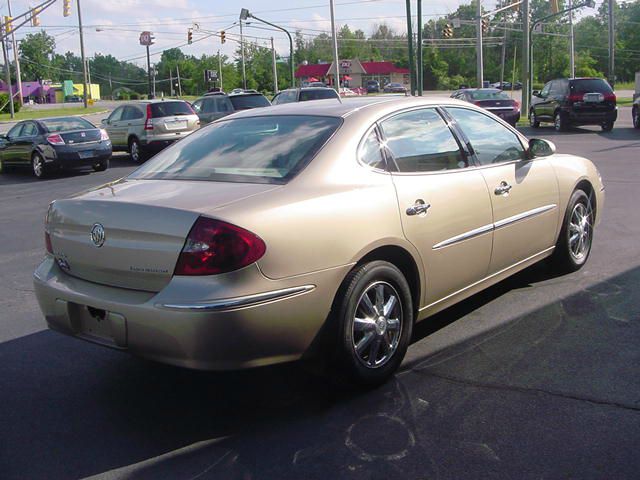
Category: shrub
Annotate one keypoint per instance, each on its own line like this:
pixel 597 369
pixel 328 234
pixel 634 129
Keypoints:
pixel 4 103
pixel 134 96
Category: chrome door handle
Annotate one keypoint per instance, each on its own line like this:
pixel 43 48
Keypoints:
pixel 503 188
pixel 418 208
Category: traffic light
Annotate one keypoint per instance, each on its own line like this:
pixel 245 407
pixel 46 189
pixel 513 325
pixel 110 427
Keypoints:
pixel 66 8
pixel 447 31
pixel 8 24
pixel 189 36
pixel 35 20
pixel 223 36
pixel 485 25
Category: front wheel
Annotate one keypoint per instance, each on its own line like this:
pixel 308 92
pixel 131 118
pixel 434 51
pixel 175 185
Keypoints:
pixel 135 151
pixel 374 319
pixel 574 243
pixel 533 119
pixel 607 126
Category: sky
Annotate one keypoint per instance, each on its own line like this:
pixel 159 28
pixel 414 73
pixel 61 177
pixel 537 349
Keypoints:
pixel 114 26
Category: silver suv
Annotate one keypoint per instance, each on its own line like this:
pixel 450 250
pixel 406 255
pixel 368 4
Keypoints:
pixel 146 127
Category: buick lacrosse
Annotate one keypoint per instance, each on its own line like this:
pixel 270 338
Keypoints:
pixel 312 228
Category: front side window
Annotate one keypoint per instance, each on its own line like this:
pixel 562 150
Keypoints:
pixel 116 115
pixel 15 131
pixel 222 105
pixel 269 149
pixel 491 141
pixel 29 130
pixel 545 90
pixel 197 105
pixel 370 152
pixel 420 141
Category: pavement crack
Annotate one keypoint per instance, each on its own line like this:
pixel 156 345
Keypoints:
pixel 513 388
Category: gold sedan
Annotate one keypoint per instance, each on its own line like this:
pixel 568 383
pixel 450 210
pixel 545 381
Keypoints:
pixel 266 234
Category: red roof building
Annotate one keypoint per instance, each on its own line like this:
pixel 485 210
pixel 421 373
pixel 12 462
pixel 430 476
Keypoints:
pixel 359 73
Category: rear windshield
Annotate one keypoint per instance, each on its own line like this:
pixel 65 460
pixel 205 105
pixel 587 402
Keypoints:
pixel 169 109
pixel 595 85
pixel 270 149
pixel 488 95
pixel 64 124
pixel 244 102
pixel 319 94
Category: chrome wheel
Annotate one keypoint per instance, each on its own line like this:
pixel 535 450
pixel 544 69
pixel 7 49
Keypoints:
pixel 377 324
pixel 636 118
pixel 580 231
pixel 134 151
pixel 38 165
pixel 558 123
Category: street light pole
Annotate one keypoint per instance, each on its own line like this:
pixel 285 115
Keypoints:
pixel 479 61
pixel 572 48
pixel 336 58
pixel 612 46
pixel 16 58
pixel 244 72
pixel 84 60
pixel 526 87
pixel 419 50
pixel 412 69
pixel 7 73
pixel 275 69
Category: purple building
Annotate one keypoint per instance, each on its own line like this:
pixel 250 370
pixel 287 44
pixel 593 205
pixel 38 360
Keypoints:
pixel 39 92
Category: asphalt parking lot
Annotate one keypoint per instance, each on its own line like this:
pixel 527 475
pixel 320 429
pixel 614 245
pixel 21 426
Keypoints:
pixel 536 378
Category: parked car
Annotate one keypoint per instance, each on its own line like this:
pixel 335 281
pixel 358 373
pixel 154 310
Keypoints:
pixel 212 106
pixel 395 88
pixel 507 86
pixel 52 144
pixel 304 94
pixel 373 86
pixel 316 84
pixel 635 113
pixel 280 256
pixel 574 101
pixel 146 127
pixel 493 100
pixel 248 99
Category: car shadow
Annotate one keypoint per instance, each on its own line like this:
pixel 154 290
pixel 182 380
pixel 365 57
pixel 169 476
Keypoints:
pixel 496 404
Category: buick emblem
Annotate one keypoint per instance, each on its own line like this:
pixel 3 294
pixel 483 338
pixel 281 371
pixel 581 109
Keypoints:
pixel 97 235
pixel 82 134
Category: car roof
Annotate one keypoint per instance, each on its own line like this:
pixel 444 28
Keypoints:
pixel 154 100
pixel 349 106
pixel 241 94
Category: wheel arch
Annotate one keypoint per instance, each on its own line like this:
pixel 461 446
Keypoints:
pixel 130 137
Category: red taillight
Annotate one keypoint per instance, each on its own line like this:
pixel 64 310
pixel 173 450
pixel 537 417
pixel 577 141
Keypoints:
pixel 575 98
pixel 610 97
pixel 148 124
pixel 103 135
pixel 55 139
pixel 47 242
pixel 516 105
pixel 214 247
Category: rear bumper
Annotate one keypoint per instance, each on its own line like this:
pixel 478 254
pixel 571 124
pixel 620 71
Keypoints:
pixel 233 331
pixel 592 118
pixel 78 157
pixel 158 142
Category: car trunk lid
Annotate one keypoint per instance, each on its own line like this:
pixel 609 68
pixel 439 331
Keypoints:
pixel 130 234
pixel 81 136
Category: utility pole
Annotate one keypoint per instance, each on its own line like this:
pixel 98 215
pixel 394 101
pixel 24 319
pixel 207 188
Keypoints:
pixel 16 58
pixel 170 83
pixel 275 68
pixel 244 72
pixel 110 87
pixel 336 59
pixel 526 86
pixel 419 50
pixel 89 77
pixel 504 54
pixel 412 69
pixel 479 62
pixel 572 49
pixel 149 70
pixel 84 65
pixel 612 46
pixel 153 72
pixel 220 70
pixel 179 84
pixel 7 73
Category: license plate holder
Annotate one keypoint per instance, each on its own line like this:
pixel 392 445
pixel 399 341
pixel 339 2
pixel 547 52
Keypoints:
pixel 86 154
pixel 176 125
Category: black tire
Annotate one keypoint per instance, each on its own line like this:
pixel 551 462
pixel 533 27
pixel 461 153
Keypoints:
pixel 390 330
pixel 566 257
pixel 560 122
pixel 38 167
pixel 533 119
pixel 135 150
pixel 102 166
pixel 607 126
pixel 635 115
pixel 3 167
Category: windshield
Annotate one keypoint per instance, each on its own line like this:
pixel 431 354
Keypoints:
pixel 244 102
pixel 169 109
pixel 269 149
pixel 590 85
pixel 65 124
pixel 489 95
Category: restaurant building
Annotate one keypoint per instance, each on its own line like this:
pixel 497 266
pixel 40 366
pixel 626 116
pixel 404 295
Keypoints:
pixel 354 73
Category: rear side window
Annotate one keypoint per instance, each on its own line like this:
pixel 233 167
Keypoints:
pixel 421 141
pixel 222 104
pixel 169 109
pixel 590 85
pixel 317 94
pixel 244 102
pixel 269 149
pixel 371 151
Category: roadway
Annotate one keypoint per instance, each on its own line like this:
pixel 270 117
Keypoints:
pixel 537 377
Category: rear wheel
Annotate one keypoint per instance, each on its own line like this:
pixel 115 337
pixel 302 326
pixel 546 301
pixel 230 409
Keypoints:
pixel 374 320
pixel 533 119
pixel 607 126
pixel 560 122
pixel 38 166
pixel 574 243
pixel 635 114
pixel 135 150
pixel 3 167
pixel 101 166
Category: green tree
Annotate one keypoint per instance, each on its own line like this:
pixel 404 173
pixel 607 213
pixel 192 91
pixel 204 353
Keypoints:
pixel 35 51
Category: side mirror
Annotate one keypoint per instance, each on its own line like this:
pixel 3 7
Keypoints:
pixel 539 147
pixel 536 93
pixel 105 121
